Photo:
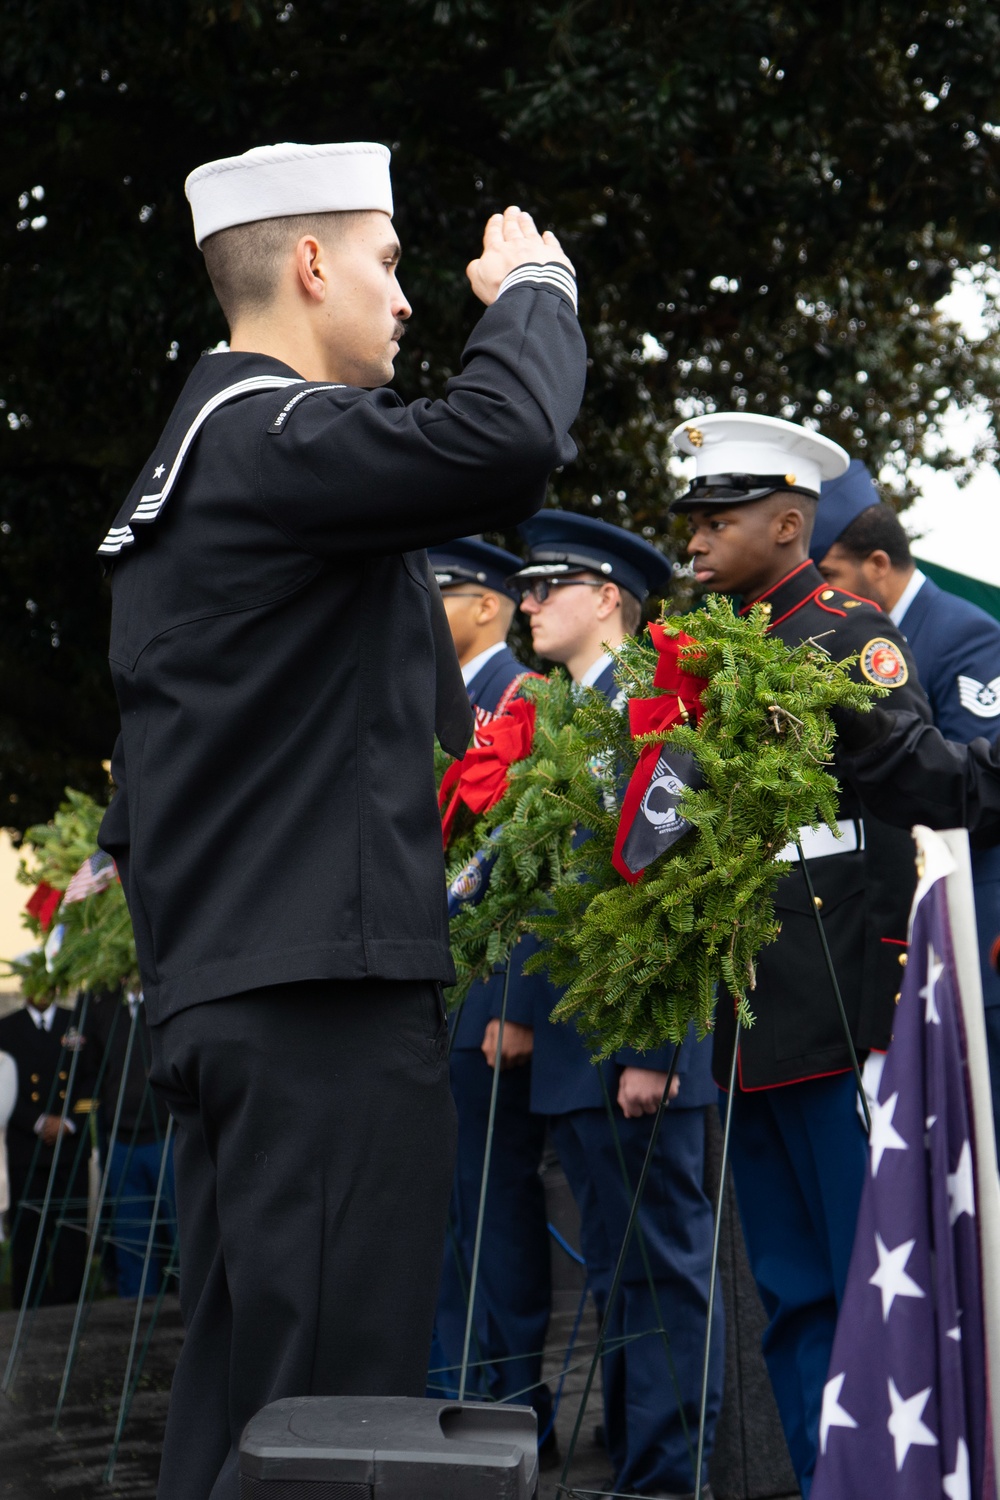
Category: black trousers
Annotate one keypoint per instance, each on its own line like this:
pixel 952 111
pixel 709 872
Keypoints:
pixel 65 1246
pixel 314 1156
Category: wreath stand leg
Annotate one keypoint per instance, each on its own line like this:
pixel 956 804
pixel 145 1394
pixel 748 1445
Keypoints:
pixel 480 1217
pixel 714 1268
pixel 81 1301
pixel 20 1331
pixel 836 988
pixel 109 1472
pixel 619 1270
pixel 641 1241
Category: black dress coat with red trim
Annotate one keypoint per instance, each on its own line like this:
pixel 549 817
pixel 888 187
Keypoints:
pixel 865 894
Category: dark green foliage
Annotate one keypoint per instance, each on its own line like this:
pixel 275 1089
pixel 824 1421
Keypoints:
pixel 533 824
pixel 642 962
pixel 776 194
pixel 98 948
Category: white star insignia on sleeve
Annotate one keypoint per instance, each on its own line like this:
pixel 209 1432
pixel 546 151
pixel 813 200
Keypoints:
pixel 833 1414
pixel 891 1278
pixel 961 1191
pixel 906 1428
pixel 159 471
pixel 980 698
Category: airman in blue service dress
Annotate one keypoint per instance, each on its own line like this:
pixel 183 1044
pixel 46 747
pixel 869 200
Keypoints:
pixel 646 1403
pixel 513 1291
pixel 281 657
pixel 956 648
pixel 798 1149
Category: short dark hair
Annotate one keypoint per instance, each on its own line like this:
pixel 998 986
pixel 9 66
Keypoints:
pixel 877 529
pixel 244 262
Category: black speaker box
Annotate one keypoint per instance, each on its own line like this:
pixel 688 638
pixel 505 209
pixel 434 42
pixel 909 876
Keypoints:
pixel 389 1448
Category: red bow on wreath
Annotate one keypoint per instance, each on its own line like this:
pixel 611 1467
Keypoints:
pixel 479 779
pixel 43 903
pixel 649 821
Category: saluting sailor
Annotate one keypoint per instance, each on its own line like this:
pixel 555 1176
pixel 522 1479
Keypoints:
pixel 798 1148
pixel 859 543
pixel 583 587
pixel 513 1294
pixel 280 654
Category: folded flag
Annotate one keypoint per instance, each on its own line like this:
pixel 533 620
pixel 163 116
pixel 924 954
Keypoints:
pixel 650 823
pixel 904 1410
pixel 94 874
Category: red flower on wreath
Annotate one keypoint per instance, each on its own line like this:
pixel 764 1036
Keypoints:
pixel 43 903
pixel 479 779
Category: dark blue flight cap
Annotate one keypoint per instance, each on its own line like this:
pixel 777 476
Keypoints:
pixel 841 501
pixel 471 560
pixel 559 541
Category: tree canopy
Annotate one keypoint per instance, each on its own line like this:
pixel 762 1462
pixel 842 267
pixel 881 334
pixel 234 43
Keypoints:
pixel 764 202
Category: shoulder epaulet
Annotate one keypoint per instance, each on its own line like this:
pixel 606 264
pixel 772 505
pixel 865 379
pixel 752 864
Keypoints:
pixel 841 601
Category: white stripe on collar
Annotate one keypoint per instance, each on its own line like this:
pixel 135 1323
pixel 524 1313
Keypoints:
pixel 477 663
pixel 599 667
pixel 907 597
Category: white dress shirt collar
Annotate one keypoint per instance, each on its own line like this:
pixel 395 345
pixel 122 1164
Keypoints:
pixel 907 597
pixel 599 667
pixel 43 1019
pixel 473 667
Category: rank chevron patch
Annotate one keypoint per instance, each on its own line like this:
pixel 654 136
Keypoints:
pixel 980 698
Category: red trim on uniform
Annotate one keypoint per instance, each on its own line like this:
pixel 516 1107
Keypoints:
pixel 786 1083
pixel 789 612
pixel 815 599
pixel 899 942
pixel 775 586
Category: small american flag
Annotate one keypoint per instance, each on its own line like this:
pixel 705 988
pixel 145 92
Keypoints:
pixel 905 1407
pixel 93 875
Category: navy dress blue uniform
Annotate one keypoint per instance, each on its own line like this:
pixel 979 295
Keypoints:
pixel 646 1402
pixel 513 1290
pixel 278 665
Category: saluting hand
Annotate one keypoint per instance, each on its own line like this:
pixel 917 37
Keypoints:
pixel 510 240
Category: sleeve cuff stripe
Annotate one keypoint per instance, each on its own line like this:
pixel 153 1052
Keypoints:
pixel 549 274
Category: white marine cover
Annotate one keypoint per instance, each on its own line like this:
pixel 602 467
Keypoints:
pixel 740 442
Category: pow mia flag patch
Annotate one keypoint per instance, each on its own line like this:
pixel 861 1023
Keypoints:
pixel 980 698
pixel 657 824
pixel 881 661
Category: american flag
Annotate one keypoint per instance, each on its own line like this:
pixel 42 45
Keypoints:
pixel 905 1405
pixel 93 875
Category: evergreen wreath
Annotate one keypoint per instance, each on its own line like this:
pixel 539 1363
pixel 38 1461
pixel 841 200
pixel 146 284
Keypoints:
pixel 640 962
pixel 96 947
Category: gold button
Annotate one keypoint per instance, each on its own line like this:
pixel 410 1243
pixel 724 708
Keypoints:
pixel 35 1078
pixel 63 1077
pixel 35 1097
pixel 62 1093
pixel 789 478
pixel 898 997
pixel 819 902
pixel 902 960
pixel 826 594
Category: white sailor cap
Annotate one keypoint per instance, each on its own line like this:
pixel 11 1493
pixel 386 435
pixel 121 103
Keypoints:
pixel 743 457
pixel 275 182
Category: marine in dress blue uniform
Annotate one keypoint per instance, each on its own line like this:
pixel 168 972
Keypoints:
pixel 956 647
pixel 643 1398
pixel 513 1294
pixel 798 1150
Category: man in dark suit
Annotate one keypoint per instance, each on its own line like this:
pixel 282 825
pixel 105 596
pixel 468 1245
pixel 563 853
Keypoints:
pixel 859 544
pixel 281 659
pixel 513 1292
pixel 582 589
pixel 798 1149
pixel 41 1039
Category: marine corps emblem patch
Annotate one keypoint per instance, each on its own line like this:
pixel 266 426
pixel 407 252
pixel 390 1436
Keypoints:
pixel 882 663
